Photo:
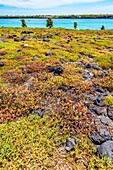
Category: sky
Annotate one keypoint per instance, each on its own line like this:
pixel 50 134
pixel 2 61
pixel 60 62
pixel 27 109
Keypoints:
pixel 55 7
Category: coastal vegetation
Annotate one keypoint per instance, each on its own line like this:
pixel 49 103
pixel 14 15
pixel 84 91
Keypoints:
pixel 102 28
pixel 49 23
pixel 75 25
pixel 23 23
pixel 60 16
pixel 56 99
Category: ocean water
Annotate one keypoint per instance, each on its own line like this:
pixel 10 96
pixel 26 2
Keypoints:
pixel 92 24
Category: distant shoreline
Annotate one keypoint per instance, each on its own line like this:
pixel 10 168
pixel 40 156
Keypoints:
pixel 85 16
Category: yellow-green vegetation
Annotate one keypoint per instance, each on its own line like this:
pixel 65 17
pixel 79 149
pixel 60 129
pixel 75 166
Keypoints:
pixel 31 142
pixel 109 100
pixel 27 143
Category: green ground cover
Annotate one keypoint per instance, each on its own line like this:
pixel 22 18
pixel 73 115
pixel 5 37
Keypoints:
pixel 28 141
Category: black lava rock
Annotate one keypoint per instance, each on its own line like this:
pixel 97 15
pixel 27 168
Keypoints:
pixel 104 74
pixel 24 71
pixel 110 112
pixel 99 101
pixel 58 70
pixel 63 88
pixel 107 149
pixel 23 38
pixel 99 89
pixel 106 121
pixel 87 75
pixel 26 32
pixel 18 50
pixel 99 137
pixel 82 53
pixel 69 145
pixel 45 40
pixel 48 54
pixel 1 64
pixel 14 35
pixel 97 110
pixel 16 39
pixel 96 67
pixel 110 89
pixel 68 41
pixel 71 61
pixel 88 65
pixel 10 36
pixel 90 56
pixel 49 35
pixel 50 68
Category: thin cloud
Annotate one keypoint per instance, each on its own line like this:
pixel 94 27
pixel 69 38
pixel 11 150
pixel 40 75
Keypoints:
pixel 43 3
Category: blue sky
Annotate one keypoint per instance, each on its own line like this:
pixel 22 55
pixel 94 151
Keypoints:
pixel 30 7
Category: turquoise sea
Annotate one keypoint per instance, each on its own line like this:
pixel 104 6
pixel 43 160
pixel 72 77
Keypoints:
pixel 92 24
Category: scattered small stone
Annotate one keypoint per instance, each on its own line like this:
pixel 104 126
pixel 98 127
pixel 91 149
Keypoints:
pixel 24 71
pixel 87 75
pixel 63 88
pixel 68 41
pixel 39 112
pixel 25 45
pixel 23 38
pixel 82 53
pixel 99 89
pixel 35 58
pixel 2 40
pixel 58 70
pixel 110 112
pixel 108 49
pixel 26 32
pixel 50 68
pixel 18 50
pixel 90 56
pixel 1 64
pixel 45 40
pixel 48 54
pixel 14 35
pixel 71 61
pixel 88 65
pixel 81 64
pixel 106 149
pixel 10 36
pixel 110 89
pixel 16 39
pixel 96 67
pixel 69 145
pixel 34 37
pixel 49 35
pixel 104 74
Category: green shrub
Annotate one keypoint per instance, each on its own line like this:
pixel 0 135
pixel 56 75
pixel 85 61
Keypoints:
pixel 23 23
pixel 49 23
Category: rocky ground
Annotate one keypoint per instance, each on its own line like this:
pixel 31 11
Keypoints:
pixel 64 78
pixel 102 115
